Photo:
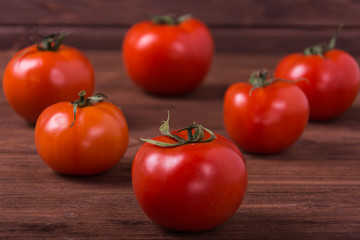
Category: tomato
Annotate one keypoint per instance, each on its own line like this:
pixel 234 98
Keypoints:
pixel 189 185
pixel 41 75
pixel 168 57
pixel 265 116
pixel 91 143
pixel 333 77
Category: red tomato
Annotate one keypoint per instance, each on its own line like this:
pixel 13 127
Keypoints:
pixel 191 187
pixel 265 116
pixel 35 78
pixel 168 58
pixel 333 76
pixel 95 142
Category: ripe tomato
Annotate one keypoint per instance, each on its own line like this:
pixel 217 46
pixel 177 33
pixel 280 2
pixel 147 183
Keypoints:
pixel 91 143
pixel 333 76
pixel 43 74
pixel 168 57
pixel 189 185
pixel 265 116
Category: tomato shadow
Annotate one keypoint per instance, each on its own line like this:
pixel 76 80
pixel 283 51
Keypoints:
pixel 118 176
pixel 266 225
pixel 205 92
pixel 350 119
pixel 282 155
pixel 29 124
pixel 252 226
pixel 298 152
pixel 208 92
pixel 208 234
pixel 309 150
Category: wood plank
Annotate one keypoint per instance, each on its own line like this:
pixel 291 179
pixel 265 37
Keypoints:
pixel 310 191
pixel 237 40
pixel 215 13
pixel 237 26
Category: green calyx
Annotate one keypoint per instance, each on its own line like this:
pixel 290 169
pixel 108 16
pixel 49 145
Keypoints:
pixel 258 79
pixel 84 102
pixel 195 133
pixel 321 48
pixel 51 42
pixel 169 19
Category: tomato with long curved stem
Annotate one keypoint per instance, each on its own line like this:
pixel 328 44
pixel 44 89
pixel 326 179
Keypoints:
pixel 86 137
pixel 265 115
pixel 46 73
pixel 167 56
pixel 333 74
pixel 189 180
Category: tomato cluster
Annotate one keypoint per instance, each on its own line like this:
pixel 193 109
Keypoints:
pixel 268 115
pixel 191 179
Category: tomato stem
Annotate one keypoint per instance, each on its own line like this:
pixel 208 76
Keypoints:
pixel 81 102
pixel 84 102
pixel 332 43
pixel 195 134
pixel 321 48
pixel 51 42
pixel 258 79
pixel 169 19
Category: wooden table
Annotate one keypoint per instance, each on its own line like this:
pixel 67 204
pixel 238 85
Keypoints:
pixel 310 191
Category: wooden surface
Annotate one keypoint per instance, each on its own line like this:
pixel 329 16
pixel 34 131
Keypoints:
pixel 310 191
pixel 237 26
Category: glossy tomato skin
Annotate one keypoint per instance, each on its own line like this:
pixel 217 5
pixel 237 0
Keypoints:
pixel 269 120
pixel 193 187
pixel 95 143
pixel 333 81
pixel 35 79
pixel 168 59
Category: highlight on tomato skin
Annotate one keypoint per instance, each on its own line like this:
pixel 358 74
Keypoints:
pixel 46 73
pixel 265 116
pixel 167 56
pixel 84 138
pixel 187 181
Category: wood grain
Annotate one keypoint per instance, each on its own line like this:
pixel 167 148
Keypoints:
pixel 234 40
pixel 326 13
pixel 309 191
pixel 237 26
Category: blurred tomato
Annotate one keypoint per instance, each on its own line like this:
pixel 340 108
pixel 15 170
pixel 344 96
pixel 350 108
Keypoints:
pixel 333 75
pixel 43 74
pixel 265 116
pixel 91 143
pixel 168 57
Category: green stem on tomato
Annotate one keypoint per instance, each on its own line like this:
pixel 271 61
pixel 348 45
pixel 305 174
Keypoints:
pixel 321 48
pixel 51 42
pixel 195 134
pixel 258 79
pixel 168 19
pixel 84 102
pixel 332 43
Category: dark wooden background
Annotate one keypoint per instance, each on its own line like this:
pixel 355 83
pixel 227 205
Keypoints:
pixel 237 25
pixel 309 191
